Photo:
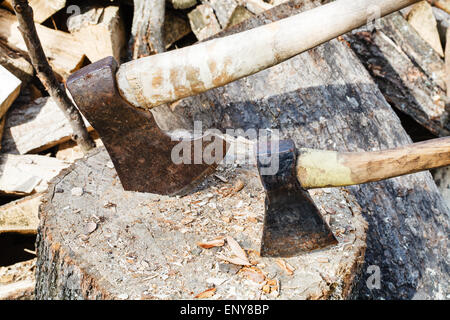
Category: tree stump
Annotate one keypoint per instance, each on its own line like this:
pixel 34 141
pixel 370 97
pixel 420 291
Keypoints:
pixel 112 244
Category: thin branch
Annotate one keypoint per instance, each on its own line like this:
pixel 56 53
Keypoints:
pixel 45 73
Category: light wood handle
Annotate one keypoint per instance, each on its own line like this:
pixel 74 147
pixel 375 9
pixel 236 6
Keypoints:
pixel 167 77
pixel 319 169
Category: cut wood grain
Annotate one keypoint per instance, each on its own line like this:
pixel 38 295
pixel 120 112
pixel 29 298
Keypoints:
pixel 101 30
pixel 204 22
pixel 36 127
pixel 422 19
pixel 16 63
pixel 9 90
pixel 20 216
pixel 43 9
pixel 27 174
pixel 65 52
pixel 411 77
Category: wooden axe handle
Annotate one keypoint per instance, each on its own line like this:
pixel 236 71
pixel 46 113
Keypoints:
pixel 170 76
pixel 318 169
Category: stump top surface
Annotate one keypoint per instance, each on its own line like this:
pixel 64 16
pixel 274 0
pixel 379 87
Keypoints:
pixel 144 246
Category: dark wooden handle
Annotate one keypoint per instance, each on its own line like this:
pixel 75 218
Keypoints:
pixel 318 169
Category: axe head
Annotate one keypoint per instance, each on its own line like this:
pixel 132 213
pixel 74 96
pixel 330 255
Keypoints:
pixel 292 224
pixel 140 151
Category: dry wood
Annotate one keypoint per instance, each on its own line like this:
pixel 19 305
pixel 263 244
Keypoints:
pixel 447 65
pixel 175 28
pixel 407 70
pixel 69 151
pixel 66 54
pixel 442 4
pixel 20 216
pixel 422 19
pixel 148 26
pixel 27 174
pixel 43 9
pixel 101 30
pixel 9 90
pixel 36 127
pixel 16 63
pixel 256 6
pixel 442 178
pixel 319 169
pixel 223 10
pixel 47 76
pixel 203 21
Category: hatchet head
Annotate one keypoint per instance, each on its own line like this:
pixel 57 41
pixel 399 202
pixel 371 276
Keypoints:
pixel 292 224
pixel 140 151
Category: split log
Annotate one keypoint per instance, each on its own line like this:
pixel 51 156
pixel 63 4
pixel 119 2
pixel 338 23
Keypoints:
pixel 43 9
pixel 36 127
pixel 422 19
pixel 203 21
pixel 101 30
pixel 256 6
pixel 151 241
pixel 21 290
pixel 442 4
pixel 10 89
pixel 410 78
pixel 69 151
pixel 65 53
pixel 27 174
pixel 443 24
pixel 447 66
pixel 20 216
pixel 16 63
pixel 322 99
pixel 223 10
pixel 147 30
pixel 176 27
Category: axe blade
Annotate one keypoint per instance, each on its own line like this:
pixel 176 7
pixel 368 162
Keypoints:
pixel 140 151
pixel 292 224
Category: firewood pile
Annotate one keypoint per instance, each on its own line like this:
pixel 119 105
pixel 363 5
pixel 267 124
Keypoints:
pixel 407 56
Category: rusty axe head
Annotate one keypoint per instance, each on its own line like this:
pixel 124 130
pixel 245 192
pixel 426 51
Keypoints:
pixel 140 150
pixel 292 224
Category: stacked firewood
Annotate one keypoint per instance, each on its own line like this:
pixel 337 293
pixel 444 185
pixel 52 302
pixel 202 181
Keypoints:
pixel 413 75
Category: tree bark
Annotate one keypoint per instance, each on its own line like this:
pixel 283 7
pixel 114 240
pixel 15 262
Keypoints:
pixel 45 73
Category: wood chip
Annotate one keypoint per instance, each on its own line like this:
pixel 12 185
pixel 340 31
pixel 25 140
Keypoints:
pixel 234 260
pixel 238 186
pixel 211 244
pixel 285 266
pixel 254 274
pixel 206 294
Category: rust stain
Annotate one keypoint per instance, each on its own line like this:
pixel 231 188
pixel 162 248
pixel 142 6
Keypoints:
pixel 223 77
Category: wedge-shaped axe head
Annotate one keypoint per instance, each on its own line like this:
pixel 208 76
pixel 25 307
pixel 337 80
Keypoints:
pixel 293 224
pixel 140 150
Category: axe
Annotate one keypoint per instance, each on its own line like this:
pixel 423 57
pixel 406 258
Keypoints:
pixel 293 224
pixel 116 100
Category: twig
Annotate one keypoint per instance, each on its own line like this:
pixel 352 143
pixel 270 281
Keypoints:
pixel 45 73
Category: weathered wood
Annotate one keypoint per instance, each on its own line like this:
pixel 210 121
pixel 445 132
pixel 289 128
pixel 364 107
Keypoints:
pixel 442 178
pixel 411 79
pixel 150 241
pixel 16 63
pixel 64 59
pixel 36 127
pixel 422 19
pixel 325 99
pixel 147 30
pixel 447 66
pixel 17 291
pixel 69 151
pixel 442 4
pixel 20 216
pixel 256 6
pixel 27 174
pixel 175 28
pixel 228 12
pixel 101 30
pixel 10 89
pixel 43 9
pixel 203 21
